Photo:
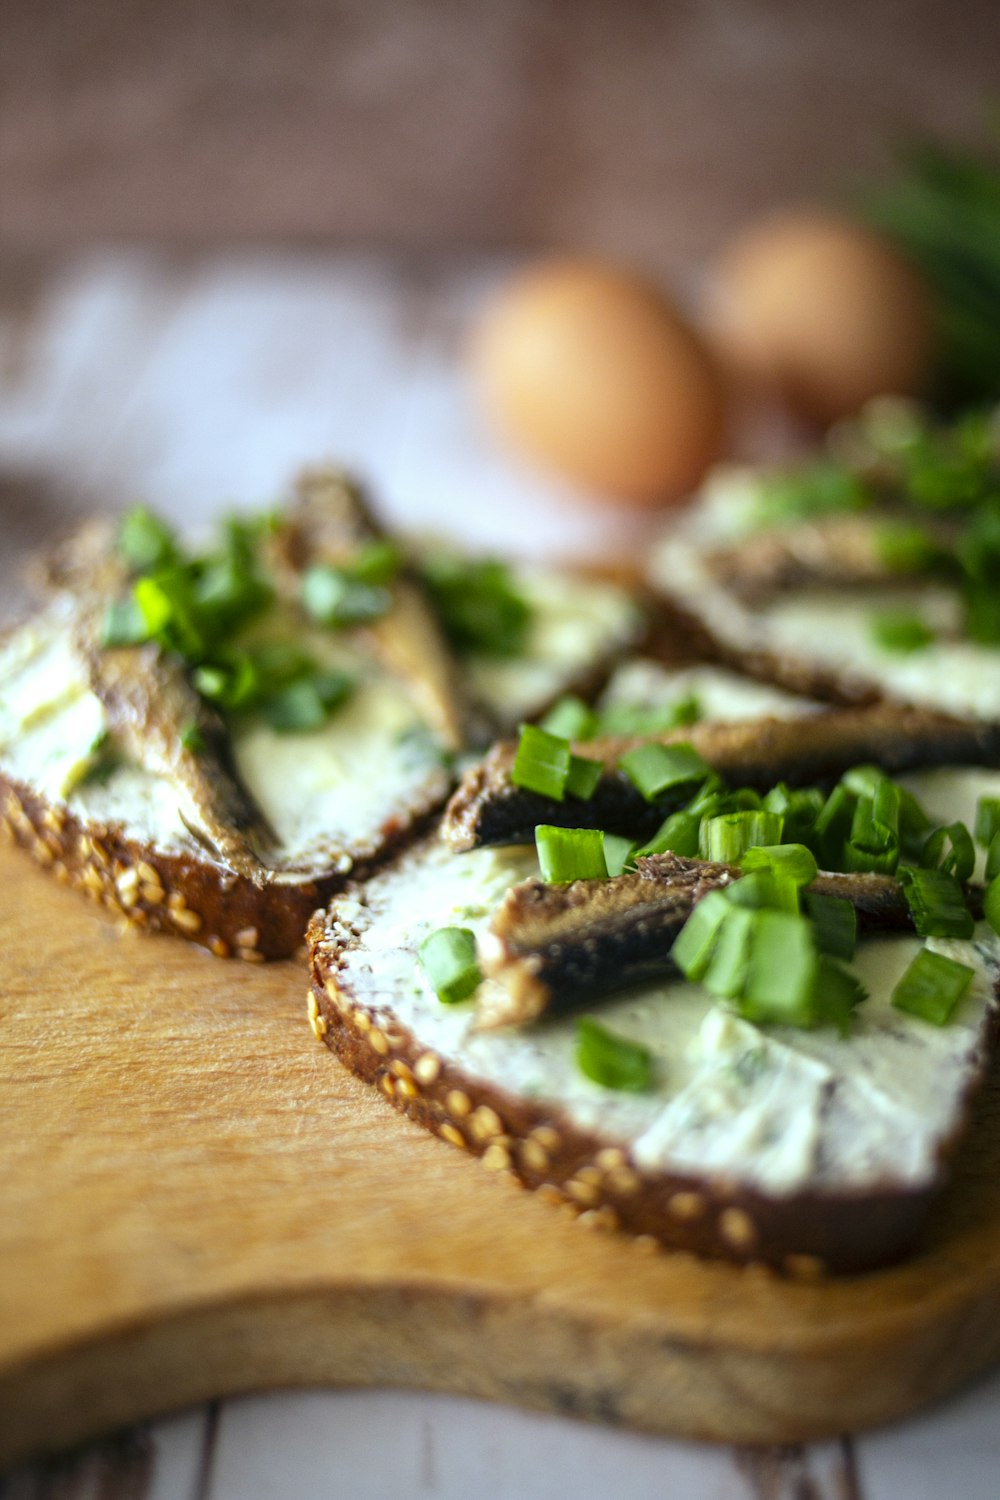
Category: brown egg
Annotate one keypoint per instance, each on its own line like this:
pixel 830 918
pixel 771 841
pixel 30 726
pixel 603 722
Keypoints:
pixel 822 310
pixel 594 374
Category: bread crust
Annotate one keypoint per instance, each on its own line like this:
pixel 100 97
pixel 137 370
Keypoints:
pixel 804 1235
pixel 181 894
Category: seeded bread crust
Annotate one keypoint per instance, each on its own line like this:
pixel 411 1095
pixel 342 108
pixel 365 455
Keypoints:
pixel 180 894
pixel 804 1236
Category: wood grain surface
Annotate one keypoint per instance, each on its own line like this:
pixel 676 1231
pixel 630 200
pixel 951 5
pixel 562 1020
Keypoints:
pixel 198 1200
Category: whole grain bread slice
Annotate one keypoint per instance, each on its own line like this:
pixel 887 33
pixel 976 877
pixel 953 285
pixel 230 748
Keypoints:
pixel 515 1100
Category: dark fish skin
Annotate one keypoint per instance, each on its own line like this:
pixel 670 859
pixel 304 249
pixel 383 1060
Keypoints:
pixel 555 947
pixel 149 703
pixel 834 551
pixel 329 523
pixel 812 750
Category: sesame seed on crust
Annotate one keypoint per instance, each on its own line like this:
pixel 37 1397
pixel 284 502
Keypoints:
pixel 452 1134
pixel 457 1103
pixel 687 1205
pixel 737 1228
pixel 427 1068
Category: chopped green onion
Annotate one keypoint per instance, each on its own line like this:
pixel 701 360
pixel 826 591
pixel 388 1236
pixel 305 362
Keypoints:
pixel 654 769
pixel 728 837
pixel 610 1060
pixel 782 973
pixel 835 922
pixel 832 828
pixel 901 631
pixel 932 987
pixel 448 958
pixel 729 965
pixel 764 889
pixel 704 802
pixel 124 624
pixel 794 862
pixel 991 903
pixel 647 719
pixel 332 597
pixel 960 860
pixel 993 858
pixel 905 548
pixel 376 563
pixel 982 614
pixel 987 820
pixel 874 839
pixel 838 992
pixel 914 825
pixel 583 776
pixel 145 542
pixel 566 854
pixel 478 604
pixel 618 853
pixel 936 903
pixel 678 834
pixel 570 719
pixel 542 763
pixel 800 809
pixel 295 708
pixel 694 944
pixel 192 739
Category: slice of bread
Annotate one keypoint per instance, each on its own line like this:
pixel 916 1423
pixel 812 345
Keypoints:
pixel 796 1148
pixel 800 1149
pixel 336 799
pixel 812 631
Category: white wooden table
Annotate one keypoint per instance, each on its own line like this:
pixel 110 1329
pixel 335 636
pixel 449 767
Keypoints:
pixel 194 385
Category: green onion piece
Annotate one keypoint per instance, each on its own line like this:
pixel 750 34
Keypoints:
pixel 566 854
pixel 764 889
pixel 542 763
pixel 792 861
pixel 332 597
pixel 838 992
pixel 448 958
pixel 610 1060
pixel 376 563
pixel 937 904
pixel 124 624
pixel 570 719
pixel 694 944
pixel 991 903
pixel 583 776
pixel 296 708
pixel 835 922
pixel 727 838
pixel 901 631
pixel 333 687
pixel 993 858
pixel 478 604
pixel 703 803
pixel 783 971
pixel 646 719
pixel 874 838
pixel 982 613
pixel 618 853
pixel 800 809
pixel 145 542
pixel 729 964
pixel 960 858
pixel 654 769
pixel 932 987
pixel 678 834
pixel 832 828
pixel 914 826
pixel 905 548
pixel 987 820
pixel 192 739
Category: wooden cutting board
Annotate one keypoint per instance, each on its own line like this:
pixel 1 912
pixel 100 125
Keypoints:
pixel 196 1199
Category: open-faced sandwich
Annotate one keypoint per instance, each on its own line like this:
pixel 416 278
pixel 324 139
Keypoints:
pixel 211 739
pixel 730 985
pixel 871 572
